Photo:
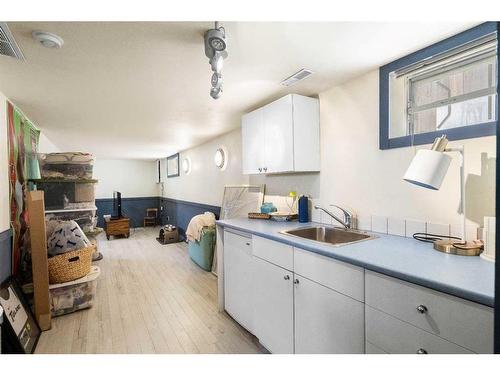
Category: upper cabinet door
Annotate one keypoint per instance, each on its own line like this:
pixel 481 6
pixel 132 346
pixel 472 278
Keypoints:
pixel 306 136
pixel 278 130
pixel 252 142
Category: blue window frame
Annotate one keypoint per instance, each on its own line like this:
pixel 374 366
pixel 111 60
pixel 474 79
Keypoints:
pixel 418 138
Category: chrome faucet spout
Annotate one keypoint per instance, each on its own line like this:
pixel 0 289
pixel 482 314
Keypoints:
pixel 346 223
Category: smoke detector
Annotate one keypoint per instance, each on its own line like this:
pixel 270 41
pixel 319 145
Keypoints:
pixel 48 40
pixel 296 77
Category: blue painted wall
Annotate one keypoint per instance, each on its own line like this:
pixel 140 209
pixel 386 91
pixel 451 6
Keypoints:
pixel 5 254
pixel 179 213
pixel 133 208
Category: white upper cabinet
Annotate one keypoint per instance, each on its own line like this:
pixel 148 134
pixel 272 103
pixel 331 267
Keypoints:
pixel 282 136
pixel 253 148
pixel 278 136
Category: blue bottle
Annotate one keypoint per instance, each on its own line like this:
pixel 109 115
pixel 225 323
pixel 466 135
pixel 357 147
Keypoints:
pixel 303 209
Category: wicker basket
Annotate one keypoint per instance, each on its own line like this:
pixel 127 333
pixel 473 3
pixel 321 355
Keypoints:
pixel 71 265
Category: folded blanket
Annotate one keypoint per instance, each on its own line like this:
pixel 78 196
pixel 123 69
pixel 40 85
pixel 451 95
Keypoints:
pixel 65 236
pixel 197 223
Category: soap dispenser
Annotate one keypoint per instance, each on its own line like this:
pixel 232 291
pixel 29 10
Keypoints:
pixel 303 209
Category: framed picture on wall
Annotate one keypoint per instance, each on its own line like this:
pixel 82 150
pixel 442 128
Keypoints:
pixel 20 331
pixel 173 165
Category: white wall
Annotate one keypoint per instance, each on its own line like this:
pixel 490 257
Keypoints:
pixel 45 145
pixel 4 165
pixel 356 174
pixel 133 178
pixel 205 184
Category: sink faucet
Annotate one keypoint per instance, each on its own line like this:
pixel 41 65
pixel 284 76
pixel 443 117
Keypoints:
pixel 347 222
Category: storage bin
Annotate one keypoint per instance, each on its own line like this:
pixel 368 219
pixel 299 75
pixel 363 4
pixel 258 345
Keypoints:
pixel 68 165
pixel 74 295
pixel 202 252
pixel 65 194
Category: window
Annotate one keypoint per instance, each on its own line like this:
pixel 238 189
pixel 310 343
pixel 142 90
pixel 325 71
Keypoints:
pixel 448 88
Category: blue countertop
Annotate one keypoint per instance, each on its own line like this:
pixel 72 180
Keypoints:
pixel 471 278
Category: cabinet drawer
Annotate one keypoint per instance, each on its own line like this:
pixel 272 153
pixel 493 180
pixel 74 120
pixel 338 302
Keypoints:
pixel 273 251
pixel 342 277
pixel 395 336
pixel 460 321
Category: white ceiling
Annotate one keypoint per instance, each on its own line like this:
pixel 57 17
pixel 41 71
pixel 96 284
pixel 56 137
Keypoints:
pixel 141 89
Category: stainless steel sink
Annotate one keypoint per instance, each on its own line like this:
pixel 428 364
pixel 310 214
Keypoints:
pixel 329 235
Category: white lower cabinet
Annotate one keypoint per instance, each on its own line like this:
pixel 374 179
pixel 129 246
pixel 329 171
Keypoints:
pixel 296 301
pixel 238 278
pixel 326 321
pixel 397 337
pixel 273 306
pixel 429 314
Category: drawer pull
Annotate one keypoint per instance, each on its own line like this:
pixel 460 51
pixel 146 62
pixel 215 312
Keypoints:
pixel 421 309
pixel 296 281
pixel 287 277
pixel 421 351
pixel 248 243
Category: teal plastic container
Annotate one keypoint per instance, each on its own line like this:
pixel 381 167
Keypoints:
pixel 202 252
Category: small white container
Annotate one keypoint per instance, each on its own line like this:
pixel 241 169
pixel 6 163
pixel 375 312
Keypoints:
pixel 74 295
pixel 489 238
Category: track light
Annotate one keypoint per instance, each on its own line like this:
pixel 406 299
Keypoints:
pixel 216 51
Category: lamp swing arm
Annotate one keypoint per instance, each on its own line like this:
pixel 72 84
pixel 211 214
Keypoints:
pixel 460 150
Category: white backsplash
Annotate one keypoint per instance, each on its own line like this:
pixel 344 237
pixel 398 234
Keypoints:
pixel 404 227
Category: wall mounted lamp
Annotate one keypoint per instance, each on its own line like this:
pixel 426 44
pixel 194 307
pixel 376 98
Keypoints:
pixel 428 169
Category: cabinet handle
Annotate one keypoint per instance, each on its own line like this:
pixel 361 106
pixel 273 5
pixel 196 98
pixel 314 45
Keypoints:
pixel 248 243
pixel 296 281
pixel 265 169
pixel 421 351
pixel 287 277
pixel 421 309
pixel 260 169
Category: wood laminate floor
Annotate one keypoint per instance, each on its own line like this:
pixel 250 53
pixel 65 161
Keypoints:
pixel 151 298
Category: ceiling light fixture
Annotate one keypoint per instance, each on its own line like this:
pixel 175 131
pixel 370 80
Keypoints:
pixel 48 40
pixel 216 51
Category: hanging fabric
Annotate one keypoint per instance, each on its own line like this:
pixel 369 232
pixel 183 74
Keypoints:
pixel 23 147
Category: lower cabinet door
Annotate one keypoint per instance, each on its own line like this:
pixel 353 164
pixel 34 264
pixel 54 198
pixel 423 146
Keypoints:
pixel 238 270
pixel 273 306
pixel 326 321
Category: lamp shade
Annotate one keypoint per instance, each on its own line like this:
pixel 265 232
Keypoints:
pixel 428 169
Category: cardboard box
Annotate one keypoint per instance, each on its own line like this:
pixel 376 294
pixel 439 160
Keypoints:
pixel 39 258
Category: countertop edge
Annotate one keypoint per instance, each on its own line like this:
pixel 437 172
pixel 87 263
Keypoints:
pixel 444 288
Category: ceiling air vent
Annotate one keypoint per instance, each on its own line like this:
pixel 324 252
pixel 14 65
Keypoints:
pixel 296 77
pixel 8 45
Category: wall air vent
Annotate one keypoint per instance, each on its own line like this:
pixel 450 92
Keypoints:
pixel 296 77
pixel 8 46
